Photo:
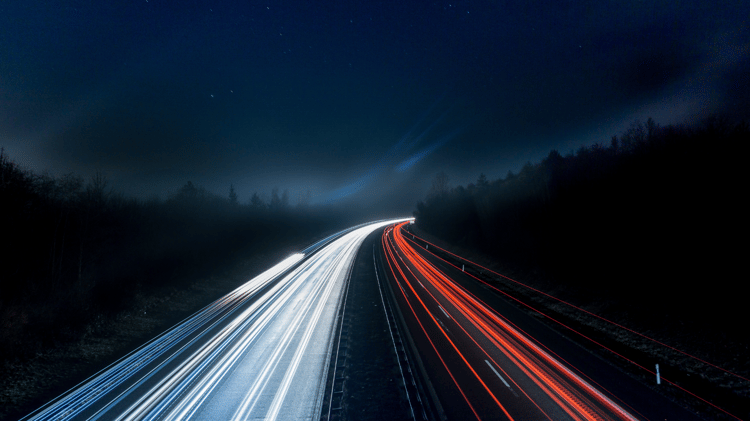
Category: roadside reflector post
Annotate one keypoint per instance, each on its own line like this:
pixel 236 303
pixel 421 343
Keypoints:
pixel 427 247
pixel 658 379
pixel 463 267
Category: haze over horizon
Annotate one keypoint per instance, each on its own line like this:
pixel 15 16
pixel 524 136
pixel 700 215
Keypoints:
pixel 364 101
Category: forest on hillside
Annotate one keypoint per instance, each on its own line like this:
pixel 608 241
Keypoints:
pixel 74 250
pixel 654 218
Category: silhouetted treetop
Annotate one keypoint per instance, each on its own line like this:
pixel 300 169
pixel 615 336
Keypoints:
pixel 610 210
pixel 439 185
pixel 232 195
pixel 256 202
pixel 74 249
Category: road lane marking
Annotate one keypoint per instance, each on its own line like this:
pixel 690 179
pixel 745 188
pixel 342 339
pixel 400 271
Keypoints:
pixel 498 374
pixel 443 325
pixel 446 314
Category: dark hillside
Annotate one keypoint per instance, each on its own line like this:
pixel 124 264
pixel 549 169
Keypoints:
pixel 645 232
pixel 74 251
pixel 647 225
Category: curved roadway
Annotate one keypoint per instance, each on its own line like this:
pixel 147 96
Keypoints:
pixel 261 351
pixel 490 364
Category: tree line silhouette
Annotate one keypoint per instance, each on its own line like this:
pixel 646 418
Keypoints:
pixel 646 220
pixel 74 249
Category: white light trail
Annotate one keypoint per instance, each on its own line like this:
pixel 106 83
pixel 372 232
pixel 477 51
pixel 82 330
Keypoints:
pixel 261 351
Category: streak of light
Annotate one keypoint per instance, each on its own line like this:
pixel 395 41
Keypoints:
pixel 414 159
pixel 270 340
pixel 78 399
pixel 650 371
pixel 546 381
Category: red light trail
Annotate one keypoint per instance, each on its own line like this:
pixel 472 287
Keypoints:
pixel 463 331
pixel 652 372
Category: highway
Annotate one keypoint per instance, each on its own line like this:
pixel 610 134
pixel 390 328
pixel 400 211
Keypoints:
pixel 269 350
pixel 488 364
pixel 260 352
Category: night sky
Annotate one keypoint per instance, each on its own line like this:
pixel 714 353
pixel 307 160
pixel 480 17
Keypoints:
pixel 356 100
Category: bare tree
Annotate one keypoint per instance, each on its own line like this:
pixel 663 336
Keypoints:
pixel 439 185
pixel 232 195
pixel 275 199
pixel 256 201
pixel 482 181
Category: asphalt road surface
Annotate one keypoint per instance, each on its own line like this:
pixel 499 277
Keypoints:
pixel 485 359
pixel 417 340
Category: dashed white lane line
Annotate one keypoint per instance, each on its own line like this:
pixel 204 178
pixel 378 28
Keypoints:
pixel 498 374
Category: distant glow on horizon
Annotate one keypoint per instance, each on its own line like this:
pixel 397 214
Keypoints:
pixel 414 159
pixel 349 189
pixel 402 146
